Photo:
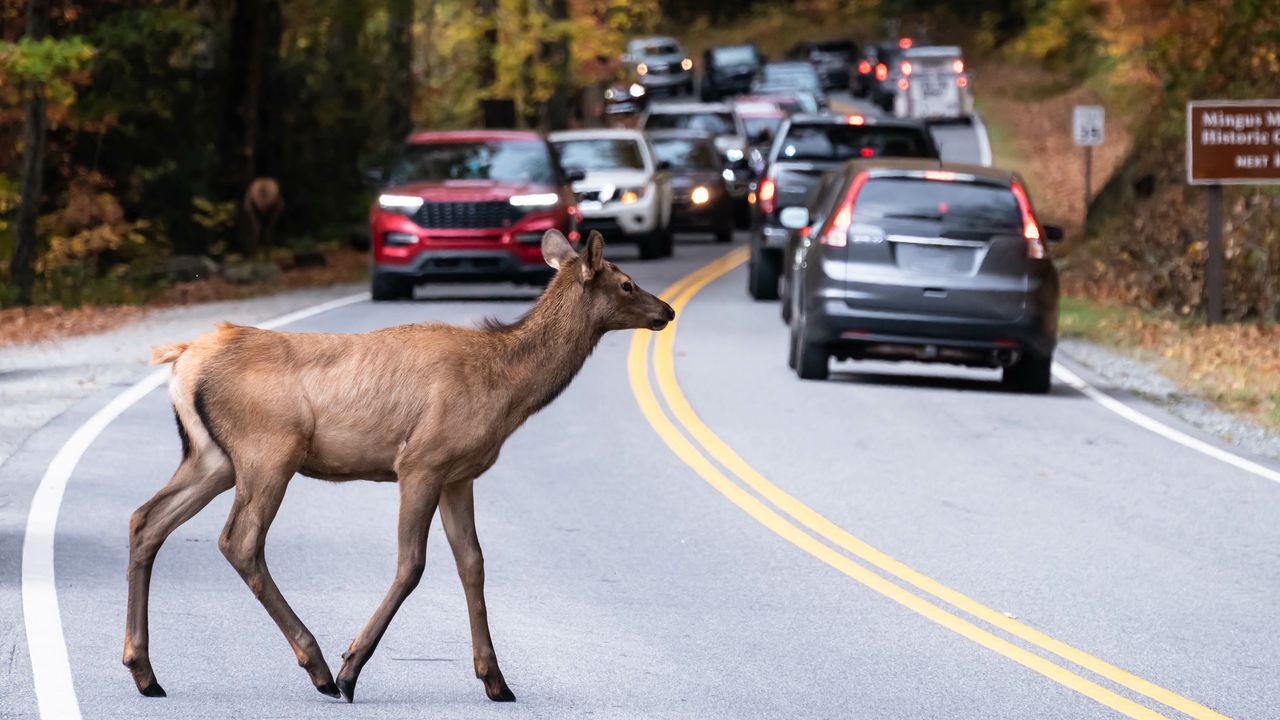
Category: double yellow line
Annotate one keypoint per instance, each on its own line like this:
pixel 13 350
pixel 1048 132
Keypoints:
pixel 701 449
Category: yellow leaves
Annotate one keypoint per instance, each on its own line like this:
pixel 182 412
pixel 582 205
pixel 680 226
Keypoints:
pixel 213 216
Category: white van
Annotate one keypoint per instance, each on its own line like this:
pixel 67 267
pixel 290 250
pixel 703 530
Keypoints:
pixel 932 85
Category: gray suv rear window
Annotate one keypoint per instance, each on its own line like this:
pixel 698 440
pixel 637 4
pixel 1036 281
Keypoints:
pixel 828 141
pixel 962 204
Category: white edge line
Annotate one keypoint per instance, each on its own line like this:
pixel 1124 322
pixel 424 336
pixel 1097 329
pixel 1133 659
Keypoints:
pixel 50 665
pixel 984 142
pixel 1145 421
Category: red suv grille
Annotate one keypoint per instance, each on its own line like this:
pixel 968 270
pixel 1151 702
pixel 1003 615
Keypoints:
pixel 451 215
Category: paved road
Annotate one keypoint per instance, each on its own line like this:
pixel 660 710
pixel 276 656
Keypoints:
pixel 635 573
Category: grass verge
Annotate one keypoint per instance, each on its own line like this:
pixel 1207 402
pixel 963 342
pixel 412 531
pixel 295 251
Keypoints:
pixel 1236 367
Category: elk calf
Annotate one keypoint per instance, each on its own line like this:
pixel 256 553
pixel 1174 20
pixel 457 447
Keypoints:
pixel 254 407
pixel 263 205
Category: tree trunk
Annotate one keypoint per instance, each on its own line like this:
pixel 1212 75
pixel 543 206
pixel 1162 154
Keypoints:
pixel 399 69
pixel 251 118
pixel 558 108
pixel 486 72
pixel 35 127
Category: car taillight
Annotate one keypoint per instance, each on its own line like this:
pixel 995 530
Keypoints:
pixel 962 82
pixel 855 120
pixel 904 43
pixel 957 66
pixel 864 67
pixel 906 68
pixel 837 234
pixel 882 71
pixel 1030 228
pixel 768 189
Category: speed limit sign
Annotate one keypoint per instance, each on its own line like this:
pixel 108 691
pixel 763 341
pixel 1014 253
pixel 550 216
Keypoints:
pixel 1088 125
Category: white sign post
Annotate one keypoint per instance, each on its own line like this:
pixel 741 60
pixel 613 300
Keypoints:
pixel 1088 127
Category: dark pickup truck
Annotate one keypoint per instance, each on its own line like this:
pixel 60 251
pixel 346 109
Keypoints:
pixel 807 146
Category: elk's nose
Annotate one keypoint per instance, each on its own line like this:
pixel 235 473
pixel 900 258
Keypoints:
pixel 667 313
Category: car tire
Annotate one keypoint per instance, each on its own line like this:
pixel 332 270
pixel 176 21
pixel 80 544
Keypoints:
pixel 386 287
pixel 809 359
pixel 1032 374
pixel 786 306
pixel 762 275
pixel 652 245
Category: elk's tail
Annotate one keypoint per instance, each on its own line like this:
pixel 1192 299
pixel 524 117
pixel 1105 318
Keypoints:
pixel 162 354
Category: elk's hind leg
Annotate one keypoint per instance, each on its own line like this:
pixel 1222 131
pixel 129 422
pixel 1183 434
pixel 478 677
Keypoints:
pixel 202 476
pixel 457 512
pixel 243 542
pixel 419 495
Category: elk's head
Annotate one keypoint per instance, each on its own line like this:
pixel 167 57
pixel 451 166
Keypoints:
pixel 612 300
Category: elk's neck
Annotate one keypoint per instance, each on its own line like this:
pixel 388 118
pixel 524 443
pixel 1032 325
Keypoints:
pixel 548 347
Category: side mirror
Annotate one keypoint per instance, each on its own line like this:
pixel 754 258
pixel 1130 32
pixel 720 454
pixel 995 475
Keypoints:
pixel 664 165
pixel 1053 233
pixel 573 174
pixel 794 218
pixel 375 177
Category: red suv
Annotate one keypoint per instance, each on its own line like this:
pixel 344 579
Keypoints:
pixel 468 206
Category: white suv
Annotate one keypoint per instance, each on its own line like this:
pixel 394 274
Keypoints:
pixel 626 193
pixel 932 85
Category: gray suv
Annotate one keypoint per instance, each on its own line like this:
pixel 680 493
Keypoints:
pixel 927 261
pixel 660 65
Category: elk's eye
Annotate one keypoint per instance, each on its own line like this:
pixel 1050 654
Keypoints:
pixel 627 286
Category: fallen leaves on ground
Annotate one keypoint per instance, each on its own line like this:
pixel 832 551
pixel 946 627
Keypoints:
pixel 43 323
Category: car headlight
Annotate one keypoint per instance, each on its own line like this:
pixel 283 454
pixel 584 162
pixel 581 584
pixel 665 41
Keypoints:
pixel 535 200
pixel 610 94
pixel 728 174
pixel 406 204
pixel 734 154
pixel 642 69
pixel 637 90
pixel 686 64
pixel 700 195
pixel 630 195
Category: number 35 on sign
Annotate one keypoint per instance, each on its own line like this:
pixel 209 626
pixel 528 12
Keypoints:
pixel 1088 123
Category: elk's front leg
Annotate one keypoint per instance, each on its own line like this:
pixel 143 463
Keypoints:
pixel 457 512
pixel 418 498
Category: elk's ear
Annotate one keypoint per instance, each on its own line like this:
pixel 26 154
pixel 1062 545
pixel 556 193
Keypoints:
pixel 593 261
pixel 556 249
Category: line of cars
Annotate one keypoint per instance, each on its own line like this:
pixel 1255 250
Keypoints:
pixel 472 205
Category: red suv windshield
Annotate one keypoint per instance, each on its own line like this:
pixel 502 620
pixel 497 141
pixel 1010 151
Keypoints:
pixel 517 161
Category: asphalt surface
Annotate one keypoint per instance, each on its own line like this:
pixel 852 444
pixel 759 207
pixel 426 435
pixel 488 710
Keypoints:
pixel 621 584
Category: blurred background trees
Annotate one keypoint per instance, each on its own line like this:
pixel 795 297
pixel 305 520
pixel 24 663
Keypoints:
pixel 156 114
pixel 134 126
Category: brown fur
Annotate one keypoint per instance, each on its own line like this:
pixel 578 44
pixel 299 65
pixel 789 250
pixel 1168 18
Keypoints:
pixel 262 205
pixel 428 406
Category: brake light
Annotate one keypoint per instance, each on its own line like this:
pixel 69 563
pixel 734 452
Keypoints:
pixel 962 82
pixel 943 175
pixel 864 67
pixel 882 71
pixel 837 234
pixel 957 66
pixel 1030 228
pixel 904 43
pixel 767 190
pixel 904 84
pixel 867 152
pixel 855 120
pixel 906 68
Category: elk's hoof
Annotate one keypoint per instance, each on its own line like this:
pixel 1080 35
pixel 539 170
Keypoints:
pixel 503 695
pixel 347 688
pixel 330 689
pixel 152 689
pixel 498 691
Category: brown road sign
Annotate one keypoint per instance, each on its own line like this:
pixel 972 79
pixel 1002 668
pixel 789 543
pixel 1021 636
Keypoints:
pixel 1233 142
